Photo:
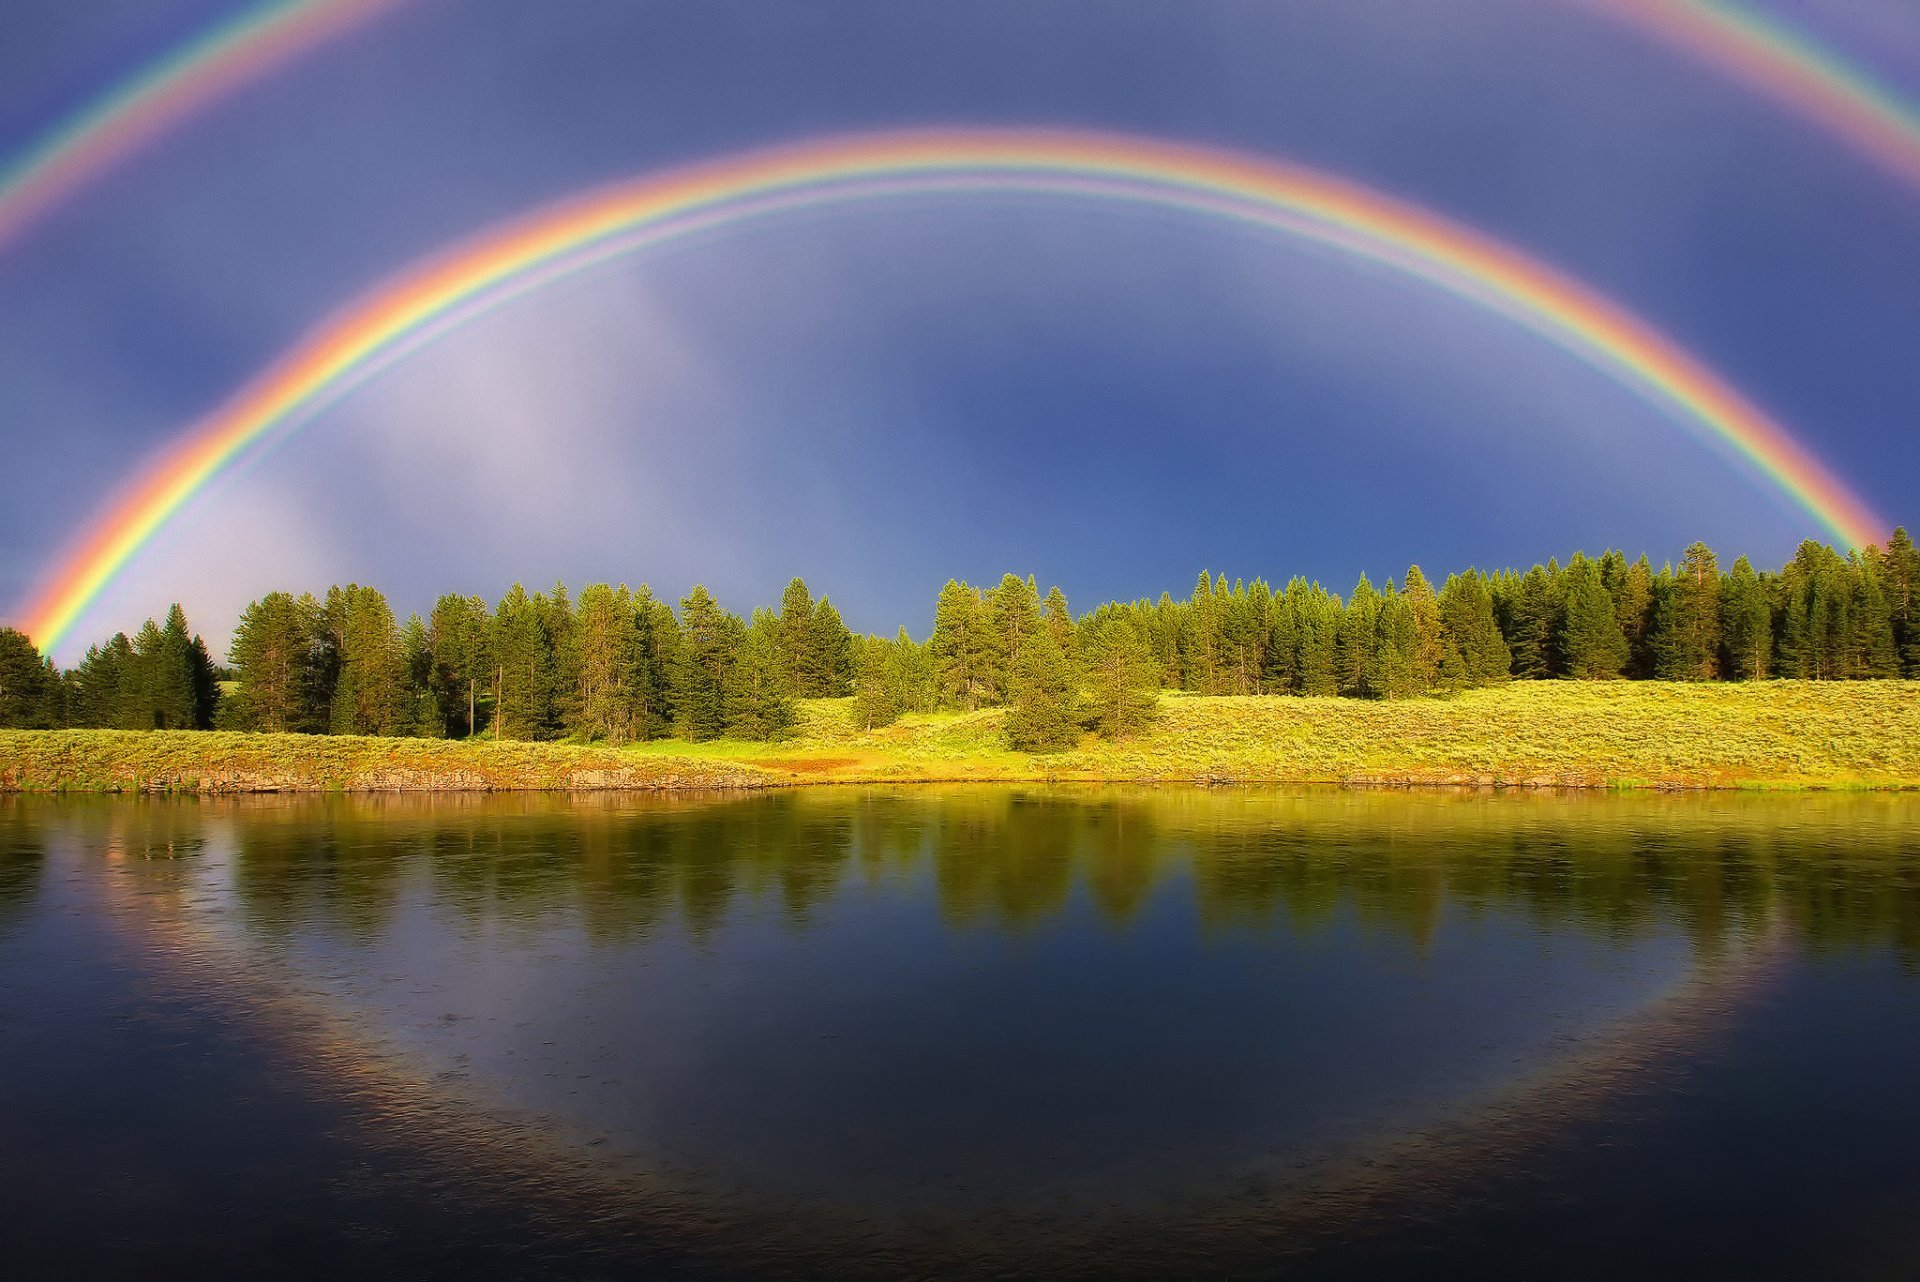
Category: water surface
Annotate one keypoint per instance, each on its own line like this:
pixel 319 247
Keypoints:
pixel 951 1031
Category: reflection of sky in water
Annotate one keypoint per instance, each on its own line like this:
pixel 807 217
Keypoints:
pixel 882 1053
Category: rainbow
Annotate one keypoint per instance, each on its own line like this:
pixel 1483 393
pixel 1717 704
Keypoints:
pixel 430 300
pixel 244 48
pixel 1785 65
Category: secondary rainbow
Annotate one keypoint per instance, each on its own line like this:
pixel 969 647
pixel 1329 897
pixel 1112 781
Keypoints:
pixel 245 48
pixel 1787 66
pixel 430 300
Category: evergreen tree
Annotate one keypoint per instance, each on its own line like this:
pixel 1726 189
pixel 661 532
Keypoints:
pixel 759 697
pixel 1746 624
pixel 1687 626
pixel 874 701
pixel 459 636
pixel 1430 642
pixel 1358 639
pixel 796 639
pixel 28 684
pixel 659 642
pixel 1393 673
pixel 1318 627
pixel 1530 625
pixel 958 646
pixel 169 683
pixel 370 692
pixel 1474 652
pixel 1012 615
pixel 1122 678
pixel 1058 619
pixel 705 666
pixel 832 664
pixel 607 662
pixel 1871 652
pixel 1592 646
pixel 427 718
pixel 517 644
pixel 102 687
pixel 275 655
pixel 909 675
pixel 1043 712
pixel 1902 583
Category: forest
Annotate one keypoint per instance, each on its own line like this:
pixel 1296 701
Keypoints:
pixel 614 665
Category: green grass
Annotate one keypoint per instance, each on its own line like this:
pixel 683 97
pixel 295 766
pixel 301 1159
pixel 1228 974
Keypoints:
pixel 1777 735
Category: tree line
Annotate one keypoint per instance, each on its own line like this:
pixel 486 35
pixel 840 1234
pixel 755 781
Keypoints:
pixel 617 664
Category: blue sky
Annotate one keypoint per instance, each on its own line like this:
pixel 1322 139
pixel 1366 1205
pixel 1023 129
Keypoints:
pixel 888 395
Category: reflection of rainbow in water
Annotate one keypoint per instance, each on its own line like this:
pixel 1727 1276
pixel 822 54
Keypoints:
pixel 445 1119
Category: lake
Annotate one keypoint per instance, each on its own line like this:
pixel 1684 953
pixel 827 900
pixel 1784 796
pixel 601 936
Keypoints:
pixel 963 1031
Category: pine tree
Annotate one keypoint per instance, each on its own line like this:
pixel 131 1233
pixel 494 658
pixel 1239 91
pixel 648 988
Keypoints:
pixel 28 684
pixel 1122 680
pixel 659 644
pixel 1393 673
pixel 1746 624
pixel 1358 638
pixel 1902 575
pixel 1871 652
pixel 832 651
pixel 1592 647
pixel 705 666
pixel 909 675
pixel 370 694
pixel 607 660
pixel 102 687
pixel 1012 615
pixel 1058 619
pixel 1531 625
pixel 166 683
pixel 275 655
pixel 1043 712
pixel 1430 643
pixel 957 646
pixel 517 645
pixel 759 696
pixel 875 703
pixel 427 719
pixel 796 639
pixel 459 636
pixel 1687 625
pixel 1318 614
pixel 1474 651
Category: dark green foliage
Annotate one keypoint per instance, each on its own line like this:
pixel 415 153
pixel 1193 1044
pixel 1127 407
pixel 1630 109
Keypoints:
pixel 279 659
pixel 459 639
pixel 758 691
pixel 1393 673
pixel 1592 646
pixel 1746 624
pixel 1121 676
pixel 371 689
pixel 1012 615
pixel 1043 713
pixel 874 700
pixel 1358 639
pixel 704 666
pixel 830 669
pixel 29 686
pixel 959 646
pixel 621 665
pixel 1473 652
pixel 1686 641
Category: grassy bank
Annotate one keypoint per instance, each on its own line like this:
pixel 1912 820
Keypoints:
pixel 1536 734
pixel 217 762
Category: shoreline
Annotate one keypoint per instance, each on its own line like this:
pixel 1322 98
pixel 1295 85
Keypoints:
pixel 1527 736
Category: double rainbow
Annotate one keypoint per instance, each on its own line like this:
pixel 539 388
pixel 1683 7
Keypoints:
pixel 243 49
pixel 428 301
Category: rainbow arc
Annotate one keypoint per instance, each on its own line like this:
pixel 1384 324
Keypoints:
pixel 437 296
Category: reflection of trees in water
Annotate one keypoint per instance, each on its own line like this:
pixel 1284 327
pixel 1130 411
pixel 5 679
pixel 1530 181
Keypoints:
pixel 23 860
pixel 1844 870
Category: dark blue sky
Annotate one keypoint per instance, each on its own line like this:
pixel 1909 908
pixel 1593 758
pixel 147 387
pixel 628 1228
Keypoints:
pixel 888 395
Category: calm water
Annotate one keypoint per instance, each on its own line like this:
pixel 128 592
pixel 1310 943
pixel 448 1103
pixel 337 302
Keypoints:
pixel 964 1032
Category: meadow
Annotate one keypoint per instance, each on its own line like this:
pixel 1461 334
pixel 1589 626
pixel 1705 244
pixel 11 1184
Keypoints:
pixel 1539 734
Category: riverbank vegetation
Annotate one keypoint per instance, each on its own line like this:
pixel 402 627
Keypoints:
pixel 615 665
pixel 1534 734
